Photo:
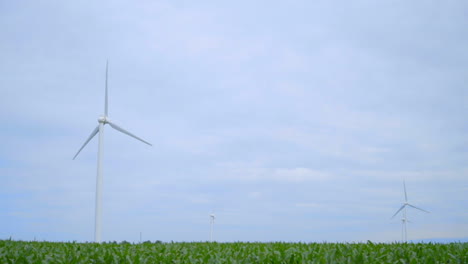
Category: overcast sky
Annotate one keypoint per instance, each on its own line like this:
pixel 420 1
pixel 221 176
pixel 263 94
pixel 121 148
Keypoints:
pixel 290 120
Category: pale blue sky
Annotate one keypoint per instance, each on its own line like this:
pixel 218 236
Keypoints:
pixel 292 121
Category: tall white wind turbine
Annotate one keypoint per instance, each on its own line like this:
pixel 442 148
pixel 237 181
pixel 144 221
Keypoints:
pixel 404 220
pixel 102 120
pixel 212 220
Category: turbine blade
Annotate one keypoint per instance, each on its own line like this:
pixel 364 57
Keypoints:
pixel 404 187
pixel 418 208
pixel 116 127
pixel 105 100
pixel 401 208
pixel 95 131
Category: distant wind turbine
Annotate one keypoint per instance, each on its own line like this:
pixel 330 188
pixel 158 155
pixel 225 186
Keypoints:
pixel 212 220
pixel 404 220
pixel 103 120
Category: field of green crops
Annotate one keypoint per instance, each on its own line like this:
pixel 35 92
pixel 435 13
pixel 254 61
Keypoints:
pixel 49 252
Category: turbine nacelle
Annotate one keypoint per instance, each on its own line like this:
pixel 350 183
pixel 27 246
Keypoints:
pixel 103 119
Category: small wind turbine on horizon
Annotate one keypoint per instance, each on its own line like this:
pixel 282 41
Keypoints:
pixel 212 221
pixel 404 220
pixel 102 120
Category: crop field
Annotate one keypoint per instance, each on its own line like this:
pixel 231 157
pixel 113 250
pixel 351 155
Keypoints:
pixel 195 252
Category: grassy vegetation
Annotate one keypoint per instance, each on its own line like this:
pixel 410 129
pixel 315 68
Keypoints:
pixel 49 252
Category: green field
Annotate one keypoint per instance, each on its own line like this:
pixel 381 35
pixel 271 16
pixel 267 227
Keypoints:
pixel 50 252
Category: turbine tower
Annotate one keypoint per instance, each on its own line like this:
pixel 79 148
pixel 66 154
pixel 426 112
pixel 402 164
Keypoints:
pixel 212 220
pixel 404 220
pixel 102 120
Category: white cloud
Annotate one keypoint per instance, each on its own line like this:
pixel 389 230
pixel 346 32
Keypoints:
pixel 309 205
pixel 251 173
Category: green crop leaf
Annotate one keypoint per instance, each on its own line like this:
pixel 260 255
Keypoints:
pixel 47 252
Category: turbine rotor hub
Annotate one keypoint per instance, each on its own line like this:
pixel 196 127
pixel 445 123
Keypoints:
pixel 103 119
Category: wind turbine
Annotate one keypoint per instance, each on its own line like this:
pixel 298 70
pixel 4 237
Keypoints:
pixel 102 120
pixel 404 220
pixel 212 220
